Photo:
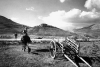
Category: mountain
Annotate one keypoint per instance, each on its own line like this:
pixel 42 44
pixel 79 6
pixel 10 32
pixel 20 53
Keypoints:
pixel 8 26
pixel 48 30
pixel 84 29
pixel 93 30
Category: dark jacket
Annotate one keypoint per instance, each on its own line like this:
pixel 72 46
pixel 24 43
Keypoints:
pixel 26 39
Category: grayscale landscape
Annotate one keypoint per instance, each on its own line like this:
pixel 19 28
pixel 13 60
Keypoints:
pixel 12 55
pixel 60 33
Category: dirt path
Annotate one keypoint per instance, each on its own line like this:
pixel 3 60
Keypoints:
pixel 13 56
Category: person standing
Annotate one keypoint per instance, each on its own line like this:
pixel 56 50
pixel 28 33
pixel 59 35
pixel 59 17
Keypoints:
pixel 25 30
pixel 25 39
pixel 15 35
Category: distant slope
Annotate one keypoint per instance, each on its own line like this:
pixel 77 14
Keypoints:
pixel 93 30
pixel 47 30
pixel 8 26
pixel 85 29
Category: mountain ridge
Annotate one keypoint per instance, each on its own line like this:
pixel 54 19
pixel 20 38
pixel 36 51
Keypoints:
pixel 48 30
pixel 93 30
pixel 9 26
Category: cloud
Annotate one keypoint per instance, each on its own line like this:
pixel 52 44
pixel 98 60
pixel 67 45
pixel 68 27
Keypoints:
pixel 14 19
pixel 90 15
pixel 93 4
pixel 88 4
pixel 62 1
pixel 30 9
pixel 61 18
pixel 86 17
pixel 74 18
pixel 93 14
pixel 73 13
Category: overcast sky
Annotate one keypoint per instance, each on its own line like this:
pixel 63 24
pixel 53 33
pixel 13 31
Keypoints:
pixel 64 14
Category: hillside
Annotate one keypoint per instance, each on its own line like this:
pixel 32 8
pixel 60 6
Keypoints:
pixel 93 30
pixel 48 30
pixel 8 26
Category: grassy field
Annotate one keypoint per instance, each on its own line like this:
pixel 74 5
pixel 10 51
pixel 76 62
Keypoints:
pixel 14 56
